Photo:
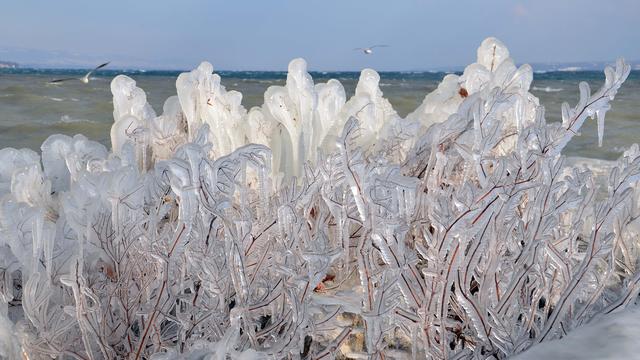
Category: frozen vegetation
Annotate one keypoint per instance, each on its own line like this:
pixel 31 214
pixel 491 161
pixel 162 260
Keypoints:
pixel 317 226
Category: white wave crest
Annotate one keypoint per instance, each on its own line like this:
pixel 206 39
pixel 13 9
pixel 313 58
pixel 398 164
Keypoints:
pixel 546 89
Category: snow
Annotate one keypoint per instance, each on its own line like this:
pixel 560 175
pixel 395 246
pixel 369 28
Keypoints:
pixel 612 337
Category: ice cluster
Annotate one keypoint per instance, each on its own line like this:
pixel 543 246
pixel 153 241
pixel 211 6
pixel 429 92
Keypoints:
pixel 317 226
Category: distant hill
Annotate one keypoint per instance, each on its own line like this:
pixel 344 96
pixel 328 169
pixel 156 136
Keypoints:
pixel 8 65
pixel 560 66
pixel 48 59
pixel 580 66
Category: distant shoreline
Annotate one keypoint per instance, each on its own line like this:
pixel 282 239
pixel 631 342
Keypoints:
pixel 8 65
pixel 275 73
pixel 537 67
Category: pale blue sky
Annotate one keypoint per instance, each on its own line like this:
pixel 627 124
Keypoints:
pixel 265 35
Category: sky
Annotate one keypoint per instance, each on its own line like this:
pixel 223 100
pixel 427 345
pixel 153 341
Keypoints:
pixel 266 35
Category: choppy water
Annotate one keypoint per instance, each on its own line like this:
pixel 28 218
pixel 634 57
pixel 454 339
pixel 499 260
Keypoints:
pixel 31 109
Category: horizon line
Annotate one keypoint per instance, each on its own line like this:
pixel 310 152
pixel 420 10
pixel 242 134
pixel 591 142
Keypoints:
pixel 596 66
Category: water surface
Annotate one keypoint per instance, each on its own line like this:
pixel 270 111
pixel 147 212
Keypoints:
pixel 31 110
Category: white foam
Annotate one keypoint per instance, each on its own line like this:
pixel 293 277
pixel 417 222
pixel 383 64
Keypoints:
pixel 546 89
pixel 69 120
pixel 571 68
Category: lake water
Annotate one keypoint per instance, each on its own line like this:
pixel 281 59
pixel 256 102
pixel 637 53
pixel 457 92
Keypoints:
pixel 31 109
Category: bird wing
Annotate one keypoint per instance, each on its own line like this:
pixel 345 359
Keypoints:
pixel 358 49
pixel 375 46
pixel 61 80
pixel 97 68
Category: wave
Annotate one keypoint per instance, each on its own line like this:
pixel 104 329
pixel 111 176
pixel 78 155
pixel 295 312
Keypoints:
pixel 33 100
pixel 62 99
pixel 571 69
pixel 66 119
pixel 548 89
pixel 39 131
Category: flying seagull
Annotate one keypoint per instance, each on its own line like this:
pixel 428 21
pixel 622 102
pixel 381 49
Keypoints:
pixel 84 79
pixel 369 50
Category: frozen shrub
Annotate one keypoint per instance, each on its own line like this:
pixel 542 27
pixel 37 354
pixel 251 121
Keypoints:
pixel 315 226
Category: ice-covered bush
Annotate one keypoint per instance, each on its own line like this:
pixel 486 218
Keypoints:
pixel 316 226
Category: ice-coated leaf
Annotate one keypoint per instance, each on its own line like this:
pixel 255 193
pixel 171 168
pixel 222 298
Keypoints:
pixel 12 160
pixel 491 53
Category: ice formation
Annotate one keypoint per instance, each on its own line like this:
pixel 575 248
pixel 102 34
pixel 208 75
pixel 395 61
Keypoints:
pixel 317 226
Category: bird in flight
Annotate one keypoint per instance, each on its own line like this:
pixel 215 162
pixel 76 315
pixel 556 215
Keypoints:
pixel 84 79
pixel 369 50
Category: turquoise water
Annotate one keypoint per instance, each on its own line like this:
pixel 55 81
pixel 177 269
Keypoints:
pixel 31 109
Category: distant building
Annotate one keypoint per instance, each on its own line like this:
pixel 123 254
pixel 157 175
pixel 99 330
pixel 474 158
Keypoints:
pixel 8 65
